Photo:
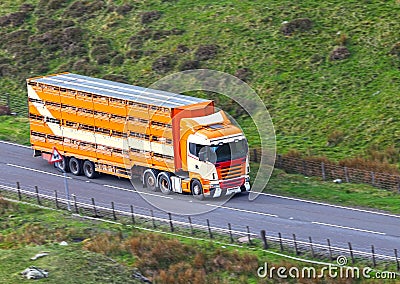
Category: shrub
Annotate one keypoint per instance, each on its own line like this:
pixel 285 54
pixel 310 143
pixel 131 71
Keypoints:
pixel 205 52
pixel 301 25
pixel 335 138
pixel 116 78
pixel 14 19
pixel 117 60
pixel 124 9
pixel 44 24
pixel 26 8
pixel 181 48
pixel 150 16
pixel 339 53
pixel 369 165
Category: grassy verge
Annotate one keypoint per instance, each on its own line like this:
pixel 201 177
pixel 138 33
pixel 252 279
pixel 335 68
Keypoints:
pixel 346 194
pixel 14 129
pixel 109 253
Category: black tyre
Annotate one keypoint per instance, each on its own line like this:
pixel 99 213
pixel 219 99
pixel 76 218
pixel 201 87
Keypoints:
pixel 63 165
pixel 164 183
pixel 150 180
pixel 75 166
pixel 197 189
pixel 89 169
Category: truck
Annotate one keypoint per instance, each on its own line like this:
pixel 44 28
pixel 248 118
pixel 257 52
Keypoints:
pixel 173 142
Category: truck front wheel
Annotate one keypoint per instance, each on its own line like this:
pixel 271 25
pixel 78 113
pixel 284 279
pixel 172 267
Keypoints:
pixel 197 189
pixel 75 166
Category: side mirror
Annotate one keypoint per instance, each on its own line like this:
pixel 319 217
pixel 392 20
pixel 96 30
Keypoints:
pixel 203 154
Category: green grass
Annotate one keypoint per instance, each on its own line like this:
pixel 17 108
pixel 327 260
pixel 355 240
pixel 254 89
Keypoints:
pixel 308 95
pixel 14 129
pixel 345 194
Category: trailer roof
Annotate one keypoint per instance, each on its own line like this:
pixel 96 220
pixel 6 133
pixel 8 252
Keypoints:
pixel 117 90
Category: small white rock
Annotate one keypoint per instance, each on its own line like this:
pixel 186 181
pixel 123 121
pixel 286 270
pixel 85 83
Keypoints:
pixel 63 243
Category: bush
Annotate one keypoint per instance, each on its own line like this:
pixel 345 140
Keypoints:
pixel 301 25
pixel 44 24
pixel 190 64
pixel 124 9
pixel 205 52
pixel 148 17
pixel 181 48
pixel 14 19
pixel 339 53
pixel 117 60
pixel 163 64
pixel 335 138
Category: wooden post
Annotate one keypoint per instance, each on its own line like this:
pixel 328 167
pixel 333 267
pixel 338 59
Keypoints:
pixel 152 218
pixel 346 174
pixel 230 232
pixel 132 215
pixel 94 207
pixel 209 229
pixel 37 195
pixel 75 204
pixel 295 245
pixel 330 249
pixel 19 191
pixel 264 239
pixel 397 260
pixel 373 256
pixel 373 178
pixel 311 247
pixel 56 198
pixel 248 234
pixel 323 171
pixel 113 211
pixel 190 224
pixel 280 241
pixel 255 156
pixel 171 225
pixel 351 253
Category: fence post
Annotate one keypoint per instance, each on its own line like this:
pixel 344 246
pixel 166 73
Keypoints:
pixel 398 184
pixel 311 247
pixel 209 229
pixel 397 260
pixel 8 103
pixel 323 171
pixel 264 239
pixel 56 198
pixel 19 191
pixel 191 226
pixel 346 174
pixel 330 249
pixel 132 215
pixel 113 210
pixel 279 162
pixel 373 256
pixel 248 234
pixel 280 241
pixel 94 208
pixel 351 253
pixel 75 204
pixel 373 178
pixel 295 244
pixel 255 159
pixel 304 167
pixel 152 218
pixel 171 225
pixel 37 195
pixel 230 232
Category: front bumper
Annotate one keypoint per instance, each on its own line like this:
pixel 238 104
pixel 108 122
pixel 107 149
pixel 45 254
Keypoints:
pixel 217 191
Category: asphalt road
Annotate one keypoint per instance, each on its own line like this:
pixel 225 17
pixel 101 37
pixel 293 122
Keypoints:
pixel 272 213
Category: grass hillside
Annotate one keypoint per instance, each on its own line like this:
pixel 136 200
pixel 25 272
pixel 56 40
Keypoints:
pixel 327 71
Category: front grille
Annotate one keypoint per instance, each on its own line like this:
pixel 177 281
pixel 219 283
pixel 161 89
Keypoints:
pixel 231 183
pixel 231 172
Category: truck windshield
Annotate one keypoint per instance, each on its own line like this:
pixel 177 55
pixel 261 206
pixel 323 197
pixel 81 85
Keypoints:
pixel 220 153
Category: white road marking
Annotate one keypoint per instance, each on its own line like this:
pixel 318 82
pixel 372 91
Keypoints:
pixel 348 228
pixel 242 210
pixel 38 171
pixel 135 191
pixel 15 144
pixel 331 205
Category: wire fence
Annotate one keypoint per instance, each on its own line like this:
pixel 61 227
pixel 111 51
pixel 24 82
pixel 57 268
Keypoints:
pixel 147 217
pixel 332 172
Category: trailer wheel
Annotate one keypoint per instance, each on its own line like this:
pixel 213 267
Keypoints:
pixel 150 180
pixel 75 166
pixel 89 169
pixel 164 182
pixel 197 189
pixel 63 165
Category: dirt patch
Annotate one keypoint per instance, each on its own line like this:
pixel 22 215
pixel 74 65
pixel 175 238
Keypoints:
pixel 301 25
pixel 189 64
pixel 205 52
pixel 149 17
pixel 163 64
pixel 181 48
pixel 243 74
pixel 339 53
pixel 124 9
